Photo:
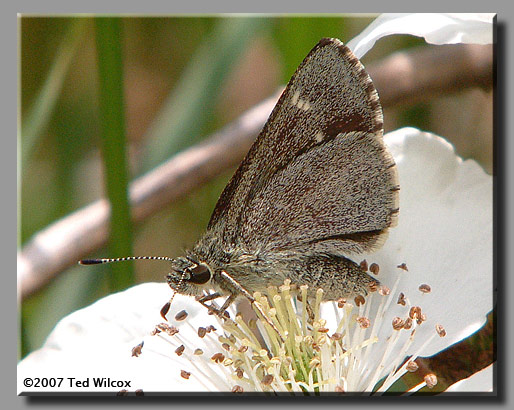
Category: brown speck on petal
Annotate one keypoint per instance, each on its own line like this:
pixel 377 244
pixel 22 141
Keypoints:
pixel 185 374
pixel 403 266
pixel 237 389
pixel 181 315
pixel 218 357
pixel 202 331
pixel 401 299
pixel 374 268
pixel 425 288
pixel 179 350
pixel 267 380
pixel 364 265
pixel 430 380
pixel 359 300
pixel 412 366
pixel 137 350
pixel 440 330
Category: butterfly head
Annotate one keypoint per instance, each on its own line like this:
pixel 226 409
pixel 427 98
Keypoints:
pixel 188 276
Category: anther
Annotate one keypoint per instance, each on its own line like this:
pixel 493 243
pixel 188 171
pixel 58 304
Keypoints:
pixel 430 380
pixel 237 389
pixel 363 322
pixel 424 288
pixel 398 323
pixel 137 350
pixel 359 300
pixel 218 357
pixel 412 366
pixel 267 380
pixel 202 331
pixel 374 268
pixel 181 315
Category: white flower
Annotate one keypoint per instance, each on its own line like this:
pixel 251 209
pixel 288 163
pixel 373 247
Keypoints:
pixel 480 381
pixel 436 28
pixel 444 237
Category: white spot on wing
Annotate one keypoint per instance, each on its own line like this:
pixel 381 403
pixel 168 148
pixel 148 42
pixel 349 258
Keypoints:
pixel 306 105
pixel 296 96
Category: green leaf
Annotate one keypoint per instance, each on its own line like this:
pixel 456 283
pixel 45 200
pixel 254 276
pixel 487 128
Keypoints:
pixel 112 113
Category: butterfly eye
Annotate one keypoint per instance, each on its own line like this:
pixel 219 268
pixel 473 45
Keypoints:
pixel 200 274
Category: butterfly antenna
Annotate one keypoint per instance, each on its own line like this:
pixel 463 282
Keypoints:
pixel 129 258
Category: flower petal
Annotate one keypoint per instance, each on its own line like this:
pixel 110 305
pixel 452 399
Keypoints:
pixel 97 342
pixel 444 235
pixel 481 381
pixel 436 28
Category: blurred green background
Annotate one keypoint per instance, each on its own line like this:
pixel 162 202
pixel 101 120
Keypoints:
pixel 183 78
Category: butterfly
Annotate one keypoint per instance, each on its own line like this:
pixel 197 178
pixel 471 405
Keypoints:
pixel 317 185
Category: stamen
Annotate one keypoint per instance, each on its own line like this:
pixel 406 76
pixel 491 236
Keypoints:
pixel 314 357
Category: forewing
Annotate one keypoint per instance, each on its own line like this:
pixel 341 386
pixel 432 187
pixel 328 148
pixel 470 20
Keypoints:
pixel 329 98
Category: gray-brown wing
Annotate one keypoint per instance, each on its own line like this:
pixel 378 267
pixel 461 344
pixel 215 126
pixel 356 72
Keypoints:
pixel 338 197
pixel 329 98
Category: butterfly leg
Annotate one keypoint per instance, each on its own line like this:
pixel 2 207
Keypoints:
pixel 240 290
pixel 221 311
